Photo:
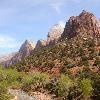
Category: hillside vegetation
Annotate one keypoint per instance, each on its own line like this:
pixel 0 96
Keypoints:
pixel 73 67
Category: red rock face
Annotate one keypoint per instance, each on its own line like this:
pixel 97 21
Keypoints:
pixel 84 23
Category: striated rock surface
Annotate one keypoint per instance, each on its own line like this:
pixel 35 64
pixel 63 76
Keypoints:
pixel 86 22
pixel 55 33
pixel 40 43
pixel 25 50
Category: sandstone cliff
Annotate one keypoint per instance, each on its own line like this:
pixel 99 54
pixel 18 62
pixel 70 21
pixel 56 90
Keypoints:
pixel 86 22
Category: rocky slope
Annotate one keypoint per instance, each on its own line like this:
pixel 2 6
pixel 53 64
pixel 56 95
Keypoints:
pixel 82 27
pixel 83 49
pixel 23 52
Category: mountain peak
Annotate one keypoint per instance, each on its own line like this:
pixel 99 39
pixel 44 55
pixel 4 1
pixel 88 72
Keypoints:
pixel 85 12
pixel 26 47
pixel 29 42
pixel 40 43
pixel 59 25
pixel 55 33
pixel 86 22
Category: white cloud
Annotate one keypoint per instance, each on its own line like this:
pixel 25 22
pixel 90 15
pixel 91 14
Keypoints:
pixel 57 7
pixel 7 42
pixel 57 4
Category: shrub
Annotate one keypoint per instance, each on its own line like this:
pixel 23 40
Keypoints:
pixel 35 81
pixel 86 88
pixel 4 95
pixel 63 86
pixel 40 79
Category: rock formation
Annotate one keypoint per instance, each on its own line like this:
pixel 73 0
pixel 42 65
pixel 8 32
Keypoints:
pixel 40 43
pixel 53 36
pixel 86 22
pixel 25 50
pixel 55 33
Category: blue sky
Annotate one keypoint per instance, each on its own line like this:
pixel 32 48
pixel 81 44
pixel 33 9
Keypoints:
pixel 32 19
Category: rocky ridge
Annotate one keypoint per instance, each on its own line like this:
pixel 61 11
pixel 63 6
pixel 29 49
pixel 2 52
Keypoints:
pixel 53 36
pixel 85 25
pixel 81 47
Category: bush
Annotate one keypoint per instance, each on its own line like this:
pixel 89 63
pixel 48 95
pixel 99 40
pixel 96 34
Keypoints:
pixel 3 94
pixel 86 88
pixel 35 81
pixel 40 78
pixel 63 86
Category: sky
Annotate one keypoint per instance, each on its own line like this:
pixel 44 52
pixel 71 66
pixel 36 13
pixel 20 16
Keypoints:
pixel 32 19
